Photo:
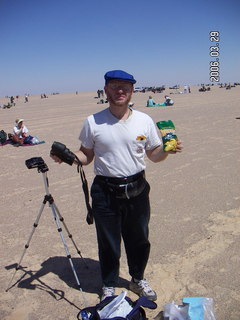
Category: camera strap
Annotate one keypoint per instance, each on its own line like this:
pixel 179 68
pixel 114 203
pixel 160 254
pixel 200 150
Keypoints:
pixel 89 217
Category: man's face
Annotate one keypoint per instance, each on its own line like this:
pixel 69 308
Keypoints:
pixel 119 92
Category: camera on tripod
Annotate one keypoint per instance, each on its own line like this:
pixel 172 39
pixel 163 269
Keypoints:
pixel 36 162
pixel 62 152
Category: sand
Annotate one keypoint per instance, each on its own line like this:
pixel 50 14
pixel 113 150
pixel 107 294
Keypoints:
pixel 195 223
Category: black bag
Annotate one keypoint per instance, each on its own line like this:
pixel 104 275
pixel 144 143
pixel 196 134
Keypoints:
pixel 3 136
pixel 137 312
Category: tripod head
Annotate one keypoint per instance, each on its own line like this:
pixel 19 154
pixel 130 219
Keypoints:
pixel 37 162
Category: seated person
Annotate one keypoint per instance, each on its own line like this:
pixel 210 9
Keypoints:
pixel 150 101
pixel 168 101
pixel 19 132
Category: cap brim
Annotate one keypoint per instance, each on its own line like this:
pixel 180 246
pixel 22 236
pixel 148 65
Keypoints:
pixel 120 79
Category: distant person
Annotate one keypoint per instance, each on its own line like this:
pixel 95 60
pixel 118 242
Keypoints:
pixel 101 101
pixel 19 132
pixel 202 89
pixel 150 101
pixel 185 89
pixel 26 98
pixel 12 100
pixel 168 101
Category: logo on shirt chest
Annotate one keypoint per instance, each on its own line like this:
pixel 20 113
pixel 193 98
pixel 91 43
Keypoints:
pixel 141 138
pixel 140 147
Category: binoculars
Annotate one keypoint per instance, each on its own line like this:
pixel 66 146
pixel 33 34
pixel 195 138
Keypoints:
pixel 62 152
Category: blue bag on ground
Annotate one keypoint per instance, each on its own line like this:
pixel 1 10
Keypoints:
pixel 28 140
pixel 32 140
pixel 200 308
pixel 118 308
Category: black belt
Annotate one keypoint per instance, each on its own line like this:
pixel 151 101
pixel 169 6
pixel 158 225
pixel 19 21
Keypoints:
pixel 124 188
pixel 122 180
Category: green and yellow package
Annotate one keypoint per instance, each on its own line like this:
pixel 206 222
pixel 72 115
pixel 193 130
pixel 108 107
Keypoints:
pixel 168 133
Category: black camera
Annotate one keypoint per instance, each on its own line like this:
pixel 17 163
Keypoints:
pixel 36 162
pixel 62 152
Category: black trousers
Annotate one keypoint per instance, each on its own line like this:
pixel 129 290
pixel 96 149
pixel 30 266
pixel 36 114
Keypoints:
pixel 117 219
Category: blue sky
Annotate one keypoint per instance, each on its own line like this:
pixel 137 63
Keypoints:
pixel 63 46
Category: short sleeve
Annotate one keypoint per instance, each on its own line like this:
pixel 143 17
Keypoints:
pixel 153 140
pixel 86 136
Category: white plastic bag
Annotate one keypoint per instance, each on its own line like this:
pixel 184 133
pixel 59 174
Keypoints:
pixel 118 307
pixel 35 140
pixel 172 311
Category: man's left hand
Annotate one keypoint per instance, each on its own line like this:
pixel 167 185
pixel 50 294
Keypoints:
pixel 179 147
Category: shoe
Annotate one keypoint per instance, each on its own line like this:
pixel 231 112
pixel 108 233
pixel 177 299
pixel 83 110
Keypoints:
pixel 142 288
pixel 107 292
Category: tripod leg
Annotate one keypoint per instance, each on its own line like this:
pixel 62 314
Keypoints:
pixel 69 234
pixel 59 229
pixel 28 242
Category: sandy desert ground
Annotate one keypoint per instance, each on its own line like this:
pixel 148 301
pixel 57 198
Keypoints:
pixel 195 222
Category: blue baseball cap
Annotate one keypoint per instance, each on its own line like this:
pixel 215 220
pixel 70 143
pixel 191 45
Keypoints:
pixel 119 75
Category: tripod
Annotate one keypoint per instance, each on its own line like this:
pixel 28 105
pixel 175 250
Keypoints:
pixel 58 218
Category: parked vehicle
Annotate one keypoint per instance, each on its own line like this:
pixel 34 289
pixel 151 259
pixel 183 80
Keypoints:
pixel 175 87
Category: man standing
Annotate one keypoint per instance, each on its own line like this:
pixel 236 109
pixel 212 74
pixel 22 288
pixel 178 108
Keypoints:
pixel 117 138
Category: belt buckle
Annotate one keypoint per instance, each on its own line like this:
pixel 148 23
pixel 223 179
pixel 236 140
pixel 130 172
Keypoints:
pixel 122 185
pixel 125 186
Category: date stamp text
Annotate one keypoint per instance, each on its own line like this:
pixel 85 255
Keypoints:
pixel 214 73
